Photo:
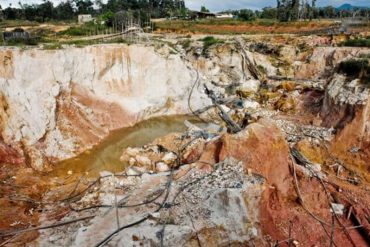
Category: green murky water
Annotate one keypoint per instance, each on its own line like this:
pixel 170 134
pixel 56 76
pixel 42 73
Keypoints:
pixel 105 156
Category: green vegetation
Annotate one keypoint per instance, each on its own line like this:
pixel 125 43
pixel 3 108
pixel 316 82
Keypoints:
pixel 70 9
pixel 52 46
pixel 358 42
pixel 210 41
pixel 185 43
pixel 262 69
pixel 18 23
pixel 365 55
pixel 23 42
pixel 247 15
pixel 89 28
pixel 204 9
pixel 83 43
pixel 356 68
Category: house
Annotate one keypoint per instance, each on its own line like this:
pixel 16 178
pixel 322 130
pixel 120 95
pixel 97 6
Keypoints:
pixel 224 16
pixel 84 18
pixel 201 15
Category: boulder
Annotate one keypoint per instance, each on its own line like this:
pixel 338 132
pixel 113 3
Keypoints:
pixel 249 87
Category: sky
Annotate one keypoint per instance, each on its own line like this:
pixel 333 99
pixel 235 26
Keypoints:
pixel 218 5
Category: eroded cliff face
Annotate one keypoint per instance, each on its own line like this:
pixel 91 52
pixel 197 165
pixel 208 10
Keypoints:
pixel 346 107
pixel 301 125
pixel 321 61
pixel 59 103
pixel 56 104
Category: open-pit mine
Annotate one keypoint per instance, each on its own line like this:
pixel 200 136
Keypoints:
pixel 257 140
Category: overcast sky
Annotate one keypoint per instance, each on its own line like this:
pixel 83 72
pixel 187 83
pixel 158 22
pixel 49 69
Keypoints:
pixel 218 5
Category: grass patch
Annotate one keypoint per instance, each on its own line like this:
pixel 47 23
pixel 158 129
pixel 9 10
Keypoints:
pixel 210 41
pixel 1 36
pixel 185 44
pixel 358 42
pixel 365 55
pixel 23 42
pixel 84 30
pixel 18 23
pixel 52 46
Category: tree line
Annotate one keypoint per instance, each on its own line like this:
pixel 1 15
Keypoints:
pixel 286 10
pixel 293 10
pixel 70 9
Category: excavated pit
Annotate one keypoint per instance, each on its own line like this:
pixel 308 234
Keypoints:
pixel 105 137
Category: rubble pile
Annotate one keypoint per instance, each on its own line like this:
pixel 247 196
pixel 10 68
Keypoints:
pixel 201 205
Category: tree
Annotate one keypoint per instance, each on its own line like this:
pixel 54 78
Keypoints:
pixel 204 9
pixel 46 10
pixel 329 12
pixel 30 12
pixel 65 11
pixel 269 13
pixel 84 6
pixel 1 13
pixel 10 13
pixel 292 10
pixel 295 10
pixel 246 15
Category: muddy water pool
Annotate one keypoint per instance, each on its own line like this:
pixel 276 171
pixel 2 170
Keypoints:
pixel 105 156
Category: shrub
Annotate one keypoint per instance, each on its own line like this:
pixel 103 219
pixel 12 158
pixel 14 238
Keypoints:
pixel 74 31
pixel 185 43
pixel 365 55
pixel 265 49
pixel 20 41
pixel 210 41
pixel 356 68
pixel 83 30
pixel 357 42
pixel 247 15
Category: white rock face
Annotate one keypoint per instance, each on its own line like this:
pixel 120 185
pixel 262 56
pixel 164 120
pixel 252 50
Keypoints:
pixel 162 167
pixel 169 158
pixel 250 86
pixel 224 203
pixel 323 60
pixel 64 101
pixel 56 104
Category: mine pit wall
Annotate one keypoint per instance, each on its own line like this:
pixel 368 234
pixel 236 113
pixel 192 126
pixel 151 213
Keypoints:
pixel 59 103
pixel 346 108
pixel 350 116
pixel 56 104
pixel 321 62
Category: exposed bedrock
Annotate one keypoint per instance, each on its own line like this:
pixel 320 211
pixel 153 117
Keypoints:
pixel 347 108
pixel 56 104
pixel 224 198
pixel 320 63
pixel 62 102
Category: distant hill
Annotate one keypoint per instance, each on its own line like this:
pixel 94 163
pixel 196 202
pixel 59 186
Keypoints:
pixel 348 6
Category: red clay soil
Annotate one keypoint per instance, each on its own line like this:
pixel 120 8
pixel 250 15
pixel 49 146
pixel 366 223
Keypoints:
pixel 9 155
pixel 20 189
pixel 263 150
